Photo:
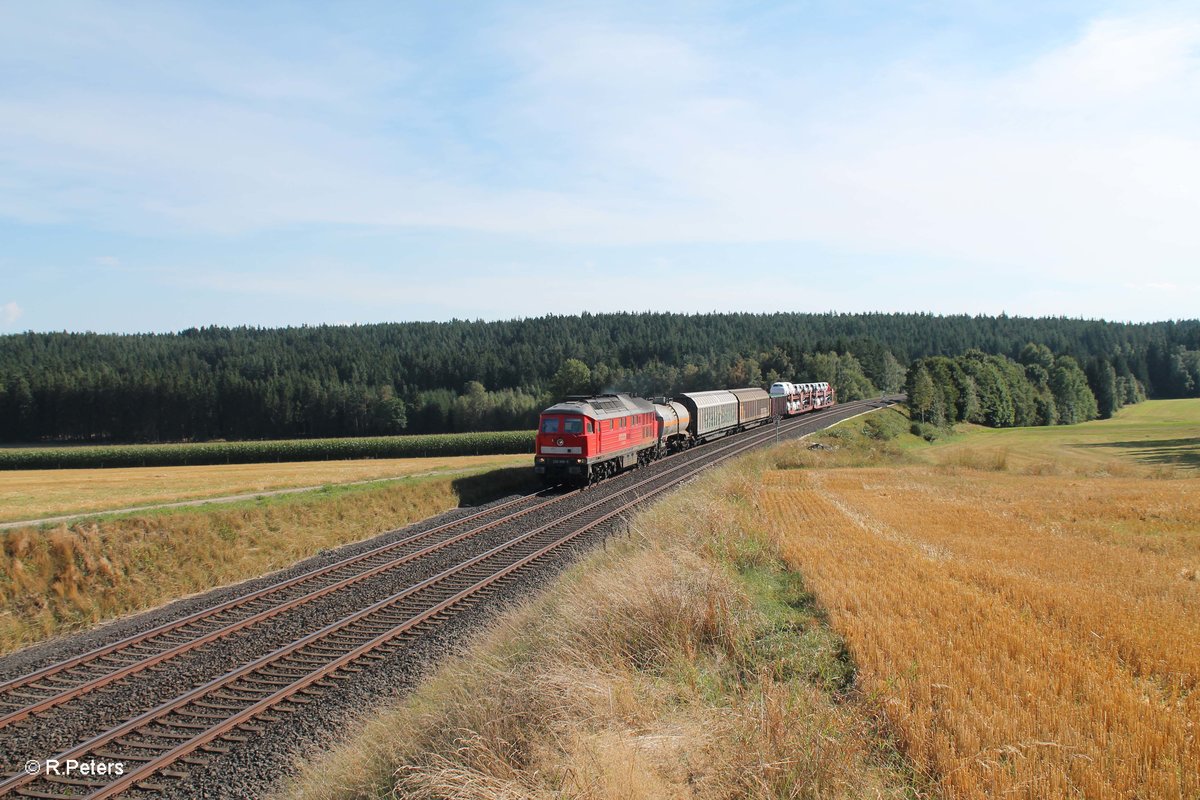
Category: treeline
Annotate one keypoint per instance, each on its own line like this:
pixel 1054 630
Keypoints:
pixel 329 381
pixel 1039 388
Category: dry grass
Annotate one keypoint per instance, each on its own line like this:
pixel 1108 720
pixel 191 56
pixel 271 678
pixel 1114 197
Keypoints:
pixel 1024 636
pixel 33 494
pixel 678 664
pixel 69 578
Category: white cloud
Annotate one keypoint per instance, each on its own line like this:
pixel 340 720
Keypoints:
pixel 1080 163
pixel 1116 59
pixel 10 312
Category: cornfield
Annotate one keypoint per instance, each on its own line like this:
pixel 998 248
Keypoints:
pixel 170 455
pixel 1028 637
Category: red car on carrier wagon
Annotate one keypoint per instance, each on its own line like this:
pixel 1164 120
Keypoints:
pixel 583 439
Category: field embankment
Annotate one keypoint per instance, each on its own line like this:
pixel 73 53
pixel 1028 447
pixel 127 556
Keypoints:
pixel 1012 632
pixel 170 455
pixel 31 494
pixel 70 577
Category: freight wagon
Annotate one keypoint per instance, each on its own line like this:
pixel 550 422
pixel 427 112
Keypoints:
pixel 673 421
pixel 713 414
pixel 788 399
pixel 754 407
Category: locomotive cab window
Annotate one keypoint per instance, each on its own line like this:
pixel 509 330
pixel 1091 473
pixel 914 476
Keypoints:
pixel 591 428
pixel 550 425
pixel 573 425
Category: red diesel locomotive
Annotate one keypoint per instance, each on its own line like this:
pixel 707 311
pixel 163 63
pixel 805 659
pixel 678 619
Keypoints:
pixel 583 439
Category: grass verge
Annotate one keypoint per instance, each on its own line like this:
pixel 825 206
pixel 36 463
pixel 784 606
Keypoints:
pixel 70 577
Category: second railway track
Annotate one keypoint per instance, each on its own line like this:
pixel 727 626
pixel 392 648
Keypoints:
pixel 215 716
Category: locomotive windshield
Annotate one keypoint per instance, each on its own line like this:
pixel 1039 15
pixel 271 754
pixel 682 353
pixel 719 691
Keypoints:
pixel 550 425
pixel 573 425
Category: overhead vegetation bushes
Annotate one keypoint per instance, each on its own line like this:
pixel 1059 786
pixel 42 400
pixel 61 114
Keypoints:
pixel 993 390
pixel 245 383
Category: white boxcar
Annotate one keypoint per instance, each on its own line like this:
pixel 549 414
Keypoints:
pixel 712 413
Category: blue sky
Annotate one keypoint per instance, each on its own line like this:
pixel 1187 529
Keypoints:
pixel 165 165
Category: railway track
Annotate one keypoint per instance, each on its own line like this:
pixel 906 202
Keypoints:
pixel 57 683
pixel 164 741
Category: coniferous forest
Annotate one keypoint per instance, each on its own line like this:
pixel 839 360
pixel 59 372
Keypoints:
pixel 423 377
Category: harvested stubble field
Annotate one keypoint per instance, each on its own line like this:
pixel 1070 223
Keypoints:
pixel 37 493
pixel 1023 635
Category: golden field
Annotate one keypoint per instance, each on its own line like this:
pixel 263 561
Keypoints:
pixel 1023 635
pixel 34 494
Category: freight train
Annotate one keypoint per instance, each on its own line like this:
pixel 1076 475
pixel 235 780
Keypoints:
pixel 587 438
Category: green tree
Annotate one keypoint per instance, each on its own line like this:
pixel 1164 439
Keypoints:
pixel 1072 396
pixel 573 377
pixel 891 378
pixel 921 392
pixel 1102 379
pixel 850 381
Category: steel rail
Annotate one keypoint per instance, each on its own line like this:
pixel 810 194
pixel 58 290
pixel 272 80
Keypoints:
pixel 57 695
pixel 88 659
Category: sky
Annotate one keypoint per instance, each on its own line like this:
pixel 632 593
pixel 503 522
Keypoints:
pixel 166 166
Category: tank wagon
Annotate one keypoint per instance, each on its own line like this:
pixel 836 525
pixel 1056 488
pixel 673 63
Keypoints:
pixel 674 420
pixel 586 438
